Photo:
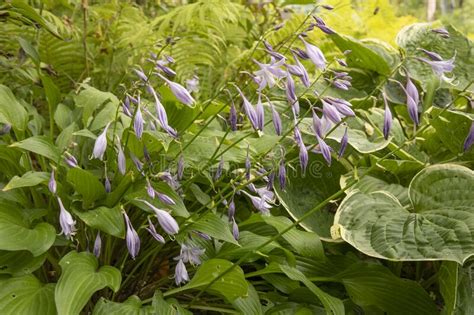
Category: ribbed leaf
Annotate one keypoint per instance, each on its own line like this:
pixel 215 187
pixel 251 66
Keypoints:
pixel 86 184
pixel 40 145
pixel 19 263
pixel 11 111
pixel 108 220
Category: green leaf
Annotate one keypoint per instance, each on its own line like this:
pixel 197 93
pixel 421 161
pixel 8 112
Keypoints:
pixel 15 233
pixel 439 225
pixel 374 285
pixel 108 220
pixel 40 145
pixel 249 304
pixel 29 50
pixel 362 56
pixel 19 263
pixel 303 192
pixel 80 278
pixel 26 295
pixel 28 179
pixel 213 226
pixel 11 111
pixel 231 286
pixel 90 99
pixel 331 304
pixel 86 184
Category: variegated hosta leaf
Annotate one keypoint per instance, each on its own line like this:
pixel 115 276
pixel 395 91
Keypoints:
pixel 438 225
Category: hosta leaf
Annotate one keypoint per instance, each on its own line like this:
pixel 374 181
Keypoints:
pixel 15 233
pixel 108 220
pixel 86 184
pixel 80 278
pixel 213 226
pixel 26 295
pixel 303 192
pixel 40 145
pixel 438 226
pixel 249 304
pixel 11 111
pixel 28 179
pixel 232 285
pixel 19 263
pixel 91 99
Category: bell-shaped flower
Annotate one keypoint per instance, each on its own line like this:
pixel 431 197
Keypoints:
pixel 138 123
pixel 97 245
pixel 152 230
pixel 100 144
pixel 235 230
pixel 179 91
pixel 268 74
pixel 324 149
pixel 190 254
pixel 52 186
pixel 131 238
pixel 180 273
pixel 315 54
pixel 67 223
pixel 167 222
pixel 344 141
pixel 413 99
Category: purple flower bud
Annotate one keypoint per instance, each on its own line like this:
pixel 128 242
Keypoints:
pixel 344 141
pixel 233 117
pixel 341 62
pixel 165 199
pixel 267 45
pixel 126 107
pixel 219 169
pixel 235 230
pixel 204 236
pixel 107 185
pixel 231 210
pixel 100 144
pixel 146 154
pixel 167 222
pixel 138 123
pixel 469 139
pixel 300 53
pixel 249 111
pixel 282 174
pixel 387 120
pixel 132 239
pixel 52 183
pixel 326 29
pixel 327 7
pixel 315 54
pixel 179 91
pixel 259 203
pixel 180 171
pixel 290 89
pixel 297 136
pixel 97 245
pixel 248 165
pixel 342 106
pixel 441 31
pixel 278 26
pixel 303 158
pixel 412 100
pixel 149 189
pixel 138 164
pixel 276 120
pixel 331 112
pixel 169 59
pixel 270 180
pixel 180 274
pixel 68 225
pixel 141 75
pixel 324 149
pixel 121 162
pixel 152 230
pixel 433 56
pixel 259 110
pixel 70 160
pixel 166 70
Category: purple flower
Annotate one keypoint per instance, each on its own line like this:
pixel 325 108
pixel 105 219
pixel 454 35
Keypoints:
pixel 413 99
pixel 161 113
pixel 126 106
pixel 204 236
pixel 440 67
pixel 161 66
pixel 344 141
pixel 180 274
pixel 303 158
pixel 235 229
pixel 432 55
pixel 132 239
pixel 342 106
pixel 282 174
pixel 341 62
pixel 259 110
pixel 469 139
pixel 149 189
pixel 219 169
pixel 97 245
pixel 322 26
pixel 138 123
pixel 327 7
pixel 121 162
pixel 300 53
pixel 441 31
pixel 331 112
pixel 233 117
pixel 271 180
pixel 297 136
pixel 276 120
pixel 70 160
pixel 290 90
pixel 167 222
pixel 165 199
pixel 192 85
pixel 315 54
pixel 321 125
pixel 138 164
pixel 180 170
pixel 259 203
pixel 387 120
pixel 141 75
pixel 231 209
pixel 100 144
pixel 190 254
pixel 68 225
pixel 269 73
pixel 249 111
pixel 179 91
pixel 107 185
pixel 152 230
pixel 324 149
pixel 52 183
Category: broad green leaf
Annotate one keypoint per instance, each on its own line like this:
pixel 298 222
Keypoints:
pixel 439 224
pixel 19 263
pixel 249 242
pixel 108 220
pixel 90 99
pixel 419 35
pixel 16 234
pixel 249 304
pixel 40 145
pixel 86 184
pixel 29 49
pixel 80 278
pixel 28 179
pixel 448 279
pixel 53 94
pixel 331 304
pixel 231 286
pixel 362 56
pixel 29 13
pixel 303 192
pixel 11 111
pixel 374 285
pixel 213 226
pixel 26 295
